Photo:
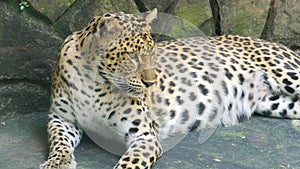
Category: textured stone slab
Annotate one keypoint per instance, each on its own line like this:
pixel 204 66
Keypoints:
pixel 23 97
pixel 284 22
pixel 89 9
pixel 246 18
pixel 164 6
pixel 27 47
pixel 52 9
pixel 197 12
pixel 258 143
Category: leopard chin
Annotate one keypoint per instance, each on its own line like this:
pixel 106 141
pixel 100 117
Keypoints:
pixel 133 90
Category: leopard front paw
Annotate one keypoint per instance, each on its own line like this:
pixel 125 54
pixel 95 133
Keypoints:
pixel 52 164
pixel 59 160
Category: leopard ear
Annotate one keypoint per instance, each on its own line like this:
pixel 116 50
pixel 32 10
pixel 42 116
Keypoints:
pixel 149 16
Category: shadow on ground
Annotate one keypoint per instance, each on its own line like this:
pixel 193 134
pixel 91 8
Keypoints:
pixel 258 143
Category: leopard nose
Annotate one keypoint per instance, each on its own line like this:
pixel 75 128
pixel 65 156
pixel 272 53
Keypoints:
pixel 148 84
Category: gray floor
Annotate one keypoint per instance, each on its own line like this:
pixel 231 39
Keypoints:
pixel 258 143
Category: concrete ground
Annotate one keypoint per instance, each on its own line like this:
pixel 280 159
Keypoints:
pixel 258 143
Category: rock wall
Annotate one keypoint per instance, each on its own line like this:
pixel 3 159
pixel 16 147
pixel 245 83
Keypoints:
pixel 30 38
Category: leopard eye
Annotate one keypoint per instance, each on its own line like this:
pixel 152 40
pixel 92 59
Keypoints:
pixel 118 17
pixel 107 15
pixel 134 57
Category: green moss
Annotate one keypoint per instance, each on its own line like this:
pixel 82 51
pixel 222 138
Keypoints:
pixel 184 29
pixel 194 11
pixel 52 9
pixel 243 17
pixel 227 135
pixel 296 124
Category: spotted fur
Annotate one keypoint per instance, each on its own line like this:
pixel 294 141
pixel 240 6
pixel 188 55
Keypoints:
pixel 111 74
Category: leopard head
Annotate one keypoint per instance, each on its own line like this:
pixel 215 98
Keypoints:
pixel 124 50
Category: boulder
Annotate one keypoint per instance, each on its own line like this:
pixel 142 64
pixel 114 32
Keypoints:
pixel 28 48
pixel 52 9
pixel 81 16
pixel 163 6
pixel 22 98
pixel 283 23
pixel 198 13
pixel 246 18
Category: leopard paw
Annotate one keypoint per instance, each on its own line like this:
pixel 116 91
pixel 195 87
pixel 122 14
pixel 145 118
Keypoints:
pixel 59 160
pixel 53 164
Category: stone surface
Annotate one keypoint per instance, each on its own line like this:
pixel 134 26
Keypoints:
pixel 258 143
pixel 184 23
pixel 52 9
pixel 81 12
pixel 192 15
pixel 284 23
pixel 27 47
pixel 246 18
pixel 197 12
pixel 91 8
pixel 22 98
pixel 171 27
pixel 163 6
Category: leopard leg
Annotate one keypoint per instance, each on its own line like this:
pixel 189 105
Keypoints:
pixel 142 153
pixel 282 106
pixel 64 136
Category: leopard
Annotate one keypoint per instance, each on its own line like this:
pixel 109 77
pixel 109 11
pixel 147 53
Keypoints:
pixel 113 79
